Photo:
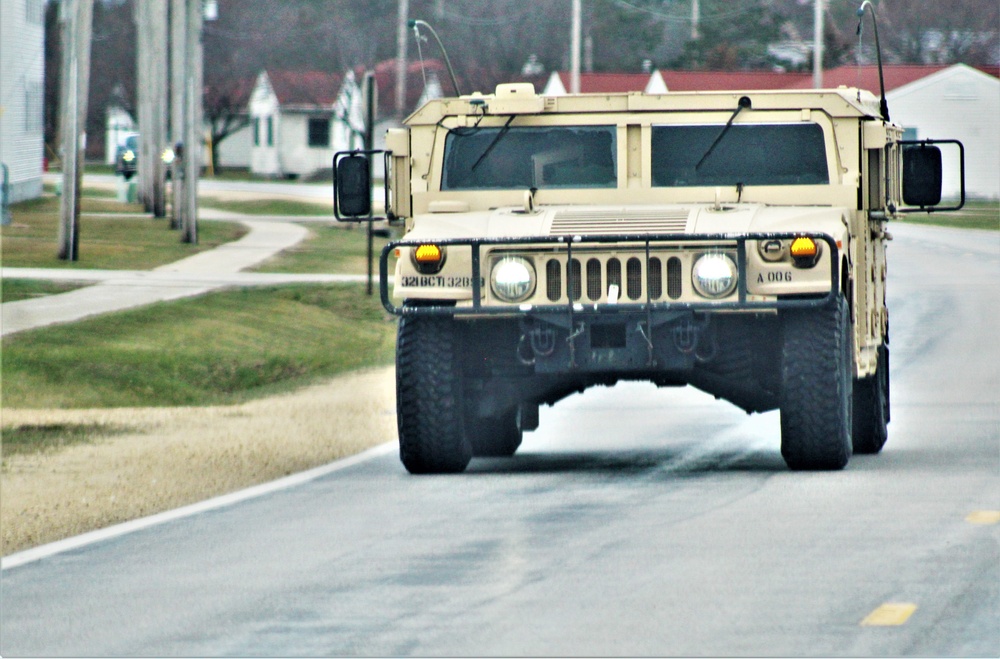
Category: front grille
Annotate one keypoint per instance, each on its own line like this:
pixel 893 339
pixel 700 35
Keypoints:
pixel 593 277
pixel 660 274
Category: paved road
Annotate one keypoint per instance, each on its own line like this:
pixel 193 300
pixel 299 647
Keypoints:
pixel 634 522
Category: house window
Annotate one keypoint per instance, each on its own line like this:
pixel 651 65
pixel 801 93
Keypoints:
pixel 256 131
pixel 270 131
pixel 319 132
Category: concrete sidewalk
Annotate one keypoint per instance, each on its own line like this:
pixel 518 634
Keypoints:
pixel 195 275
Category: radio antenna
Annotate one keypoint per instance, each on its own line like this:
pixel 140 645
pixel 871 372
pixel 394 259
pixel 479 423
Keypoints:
pixel 416 25
pixel 883 106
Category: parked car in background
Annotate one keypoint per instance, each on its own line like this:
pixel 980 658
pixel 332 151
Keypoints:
pixel 126 156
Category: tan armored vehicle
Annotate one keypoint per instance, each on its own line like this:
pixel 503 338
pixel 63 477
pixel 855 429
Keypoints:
pixel 733 241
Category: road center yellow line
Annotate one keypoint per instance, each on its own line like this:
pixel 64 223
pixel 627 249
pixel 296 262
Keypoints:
pixel 891 614
pixel 983 517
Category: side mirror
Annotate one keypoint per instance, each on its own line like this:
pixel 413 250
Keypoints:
pixel 352 186
pixel 921 175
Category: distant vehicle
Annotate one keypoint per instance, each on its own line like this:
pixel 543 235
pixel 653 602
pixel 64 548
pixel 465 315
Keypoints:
pixel 126 156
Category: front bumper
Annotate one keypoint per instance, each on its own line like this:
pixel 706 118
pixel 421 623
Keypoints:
pixel 466 294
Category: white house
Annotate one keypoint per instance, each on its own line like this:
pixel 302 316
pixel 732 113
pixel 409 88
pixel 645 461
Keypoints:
pixel 298 120
pixel 960 103
pixel 22 96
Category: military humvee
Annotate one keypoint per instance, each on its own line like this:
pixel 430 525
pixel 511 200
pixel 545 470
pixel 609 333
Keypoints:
pixel 733 241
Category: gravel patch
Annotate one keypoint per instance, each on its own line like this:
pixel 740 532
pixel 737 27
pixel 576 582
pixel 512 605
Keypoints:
pixel 170 457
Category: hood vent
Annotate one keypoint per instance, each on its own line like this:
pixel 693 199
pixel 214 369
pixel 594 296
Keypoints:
pixel 605 221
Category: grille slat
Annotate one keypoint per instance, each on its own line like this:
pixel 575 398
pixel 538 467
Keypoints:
pixel 654 279
pixel 633 275
pixel 575 285
pixel 594 288
pixel 674 282
pixel 553 280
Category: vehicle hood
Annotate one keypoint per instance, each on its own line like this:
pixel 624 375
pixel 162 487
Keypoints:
pixel 571 220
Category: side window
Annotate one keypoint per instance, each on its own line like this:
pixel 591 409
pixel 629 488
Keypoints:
pixel 256 131
pixel 270 131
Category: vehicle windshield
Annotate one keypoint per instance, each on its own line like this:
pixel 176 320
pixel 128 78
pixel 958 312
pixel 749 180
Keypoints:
pixel 748 154
pixel 132 142
pixel 530 157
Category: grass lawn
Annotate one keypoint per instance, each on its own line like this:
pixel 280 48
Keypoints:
pixel 333 247
pixel 270 206
pixel 12 290
pixel 975 214
pixel 119 241
pixel 221 348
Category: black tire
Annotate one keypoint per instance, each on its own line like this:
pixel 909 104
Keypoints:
pixel 816 398
pixel 494 437
pixel 871 408
pixel 429 398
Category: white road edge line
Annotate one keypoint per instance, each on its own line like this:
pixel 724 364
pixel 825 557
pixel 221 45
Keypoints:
pixel 100 535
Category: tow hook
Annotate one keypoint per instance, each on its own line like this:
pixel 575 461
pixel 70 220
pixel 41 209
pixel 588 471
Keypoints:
pixel 540 340
pixel 691 336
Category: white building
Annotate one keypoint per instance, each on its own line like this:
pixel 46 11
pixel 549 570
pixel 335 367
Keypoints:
pixel 299 120
pixel 960 103
pixel 22 95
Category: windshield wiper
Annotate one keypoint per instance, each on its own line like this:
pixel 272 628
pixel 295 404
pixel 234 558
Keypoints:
pixel 503 131
pixel 744 102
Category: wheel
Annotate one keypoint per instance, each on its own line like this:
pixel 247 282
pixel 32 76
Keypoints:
pixel 494 437
pixel 816 398
pixel 429 398
pixel 871 407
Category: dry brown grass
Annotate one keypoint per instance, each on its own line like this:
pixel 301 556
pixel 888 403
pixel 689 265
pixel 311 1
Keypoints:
pixel 171 457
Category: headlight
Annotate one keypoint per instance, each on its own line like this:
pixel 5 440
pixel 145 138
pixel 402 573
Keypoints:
pixel 513 279
pixel 714 275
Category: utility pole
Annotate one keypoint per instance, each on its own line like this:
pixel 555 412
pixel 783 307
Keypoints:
pixel 157 14
pixel 151 62
pixel 178 45
pixel 77 19
pixel 371 101
pixel 695 19
pixel 144 101
pixel 402 18
pixel 574 49
pixel 192 120
pixel 817 44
